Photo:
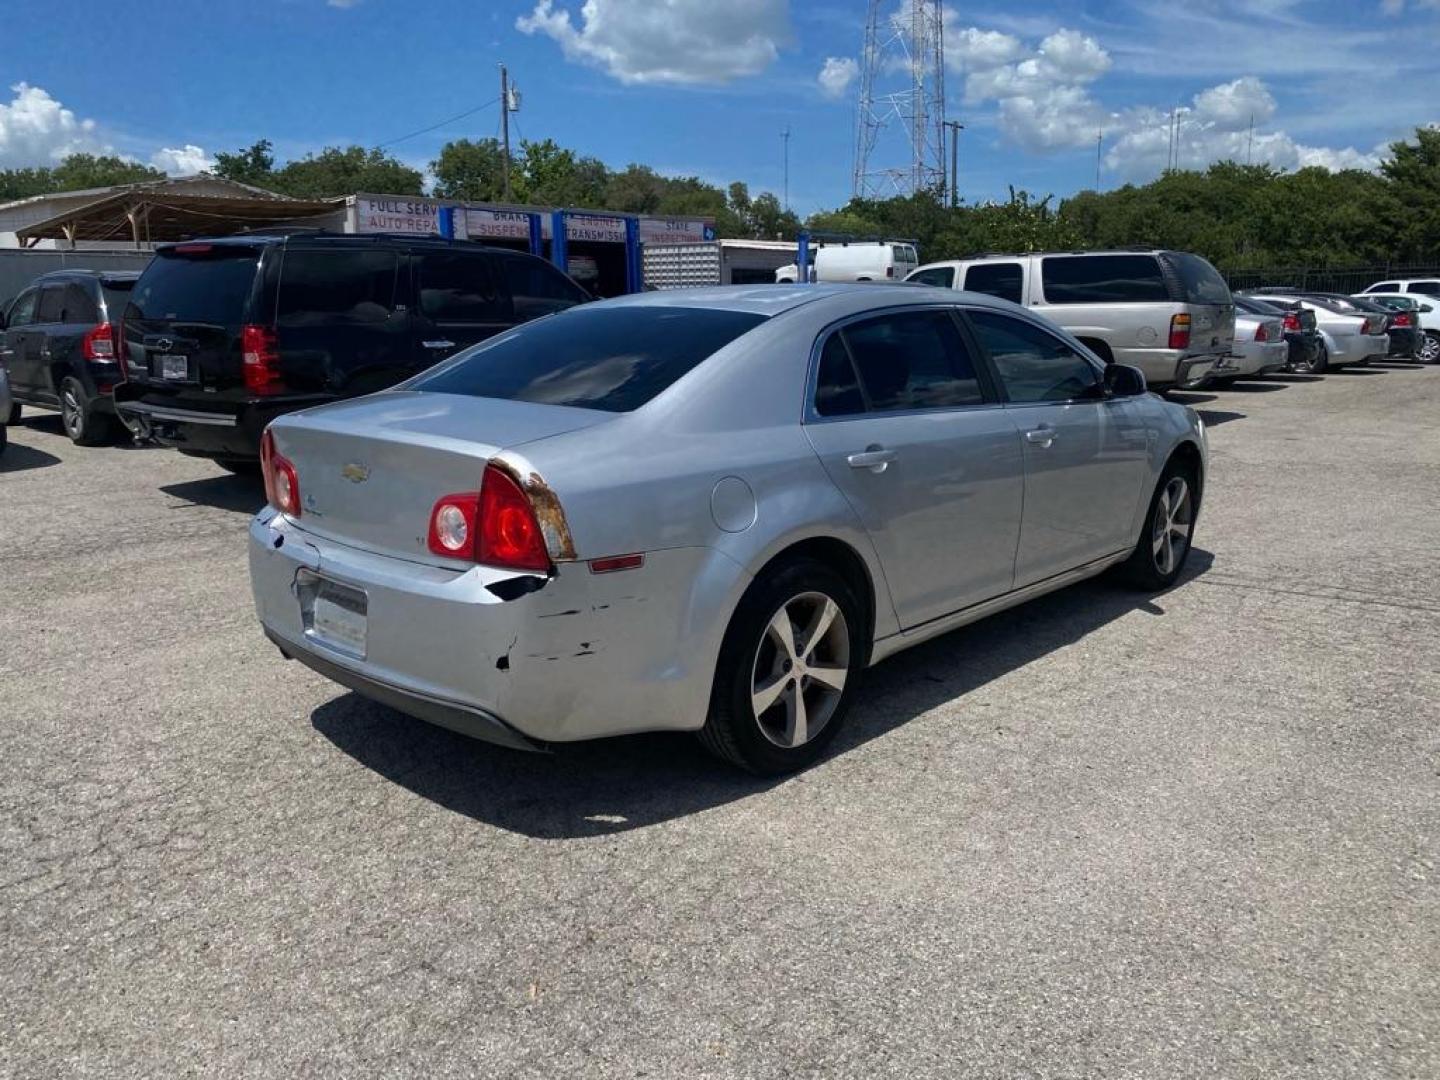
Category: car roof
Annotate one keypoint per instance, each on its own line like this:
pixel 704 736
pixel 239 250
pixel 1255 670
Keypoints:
pixel 837 300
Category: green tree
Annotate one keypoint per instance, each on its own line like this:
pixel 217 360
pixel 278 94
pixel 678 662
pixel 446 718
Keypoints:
pixel 254 165
pixel 336 171
pixel 23 183
pixel 80 171
pixel 637 189
pixel 1413 173
pixel 470 170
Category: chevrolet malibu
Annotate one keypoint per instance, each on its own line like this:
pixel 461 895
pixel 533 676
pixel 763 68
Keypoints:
pixel 709 510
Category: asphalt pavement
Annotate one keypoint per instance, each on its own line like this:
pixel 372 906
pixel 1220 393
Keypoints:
pixel 1102 835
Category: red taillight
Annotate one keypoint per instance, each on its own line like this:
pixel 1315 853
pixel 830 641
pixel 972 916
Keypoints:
pixel 1180 331
pixel 98 343
pixel 1261 334
pixel 282 483
pixel 193 249
pixel 496 527
pixel 261 360
pixel 1401 319
pixel 1292 320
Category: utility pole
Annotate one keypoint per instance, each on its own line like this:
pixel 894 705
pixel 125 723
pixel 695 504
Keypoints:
pixel 1099 141
pixel 1170 152
pixel 505 124
pixel 955 128
pixel 785 141
pixel 1250 139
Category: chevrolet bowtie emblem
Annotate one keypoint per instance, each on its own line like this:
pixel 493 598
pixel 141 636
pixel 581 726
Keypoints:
pixel 356 473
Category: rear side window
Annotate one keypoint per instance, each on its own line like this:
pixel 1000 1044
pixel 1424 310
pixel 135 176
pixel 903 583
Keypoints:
pixel 336 287
pixel 592 357
pixel 52 304
pixel 1429 288
pixel 537 289
pixel 1003 280
pixel 1032 364
pixel 459 289
pixel 943 276
pixel 1200 283
pixel 77 305
pixel 1103 279
pixel 837 390
pixel 913 360
pixel 212 286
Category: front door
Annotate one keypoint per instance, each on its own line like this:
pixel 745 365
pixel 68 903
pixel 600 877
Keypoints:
pixel 15 340
pixel 1085 453
pixel 909 430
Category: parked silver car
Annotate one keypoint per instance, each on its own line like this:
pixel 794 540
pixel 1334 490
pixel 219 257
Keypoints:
pixel 1348 337
pixel 1260 348
pixel 709 510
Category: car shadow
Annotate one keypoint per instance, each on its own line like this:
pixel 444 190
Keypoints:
pixel 614 785
pixel 1397 365
pixel 1295 377
pixel 1216 417
pixel 16 458
pixel 1251 386
pixel 238 494
pixel 1188 397
pixel 1368 370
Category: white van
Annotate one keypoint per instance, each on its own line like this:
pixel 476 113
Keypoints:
pixel 884 261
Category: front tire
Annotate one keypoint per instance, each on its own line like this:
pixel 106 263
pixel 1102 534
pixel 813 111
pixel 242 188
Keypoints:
pixel 787 669
pixel 1165 538
pixel 1429 348
pixel 84 426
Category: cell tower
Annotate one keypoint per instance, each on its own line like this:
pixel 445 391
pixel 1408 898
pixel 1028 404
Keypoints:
pixel 910 43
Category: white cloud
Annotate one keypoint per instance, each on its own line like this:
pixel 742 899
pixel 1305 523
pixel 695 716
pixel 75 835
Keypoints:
pixel 973 49
pixel 1070 56
pixel 1233 105
pixel 185 161
pixel 837 75
pixel 35 129
pixel 667 41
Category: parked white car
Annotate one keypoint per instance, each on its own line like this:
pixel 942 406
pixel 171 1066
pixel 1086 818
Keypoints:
pixel 1348 337
pixel 1260 348
pixel 1407 286
pixel 881 261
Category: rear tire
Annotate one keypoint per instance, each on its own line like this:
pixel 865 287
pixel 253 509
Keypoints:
pixel 77 412
pixel 1165 537
pixel 787 669
pixel 1320 364
pixel 1429 349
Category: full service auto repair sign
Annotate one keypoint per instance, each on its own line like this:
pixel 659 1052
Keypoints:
pixel 397 216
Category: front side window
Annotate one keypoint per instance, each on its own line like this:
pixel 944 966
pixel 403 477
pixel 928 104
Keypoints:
pixel 22 311
pixel 591 357
pixel 537 288
pixel 943 276
pixel 1103 279
pixel 913 360
pixel 1033 365
pixel 1003 280
pixel 1385 286
pixel 327 287
pixel 458 288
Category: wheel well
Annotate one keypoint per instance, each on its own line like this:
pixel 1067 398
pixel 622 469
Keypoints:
pixel 845 561
pixel 1189 454
pixel 1099 348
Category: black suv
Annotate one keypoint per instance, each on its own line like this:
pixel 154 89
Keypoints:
pixel 221 336
pixel 58 341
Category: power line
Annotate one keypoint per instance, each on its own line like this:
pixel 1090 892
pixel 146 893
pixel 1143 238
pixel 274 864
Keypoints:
pixel 442 123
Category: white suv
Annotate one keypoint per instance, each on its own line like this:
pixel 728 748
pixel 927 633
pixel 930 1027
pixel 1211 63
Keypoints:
pixel 1168 313
pixel 1424 286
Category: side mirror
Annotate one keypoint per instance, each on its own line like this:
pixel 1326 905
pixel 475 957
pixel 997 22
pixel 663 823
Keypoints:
pixel 1425 309
pixel 1122 380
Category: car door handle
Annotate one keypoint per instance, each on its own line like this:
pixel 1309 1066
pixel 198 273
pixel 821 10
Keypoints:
pixel 874 458
pixel 1041 436
pixel 438 344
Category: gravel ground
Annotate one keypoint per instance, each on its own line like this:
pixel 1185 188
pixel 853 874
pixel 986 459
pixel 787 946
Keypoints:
pixel 1100 835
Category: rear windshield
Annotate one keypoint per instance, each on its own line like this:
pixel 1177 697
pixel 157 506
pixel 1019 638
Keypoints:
pixel 1200 283
pixel 204 287
pixel 1257 307
pixel 591 357
pixel 1102 279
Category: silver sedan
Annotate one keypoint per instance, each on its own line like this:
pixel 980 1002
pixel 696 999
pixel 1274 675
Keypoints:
pixel 709 510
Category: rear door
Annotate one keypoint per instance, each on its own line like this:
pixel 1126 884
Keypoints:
pixel 1085 453
pixel 182 325
pixel 907 427
pixel 337 322
pixel 460 301
pixel 79 314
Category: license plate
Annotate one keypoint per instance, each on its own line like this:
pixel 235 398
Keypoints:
pixel 174 367
pixel 338 617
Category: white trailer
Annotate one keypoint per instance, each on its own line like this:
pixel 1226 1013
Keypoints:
pixel 715 262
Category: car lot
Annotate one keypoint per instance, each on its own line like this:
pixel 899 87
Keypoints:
pixel 1102 834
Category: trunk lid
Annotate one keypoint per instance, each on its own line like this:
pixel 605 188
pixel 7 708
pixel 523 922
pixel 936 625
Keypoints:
pixel 372 469
pixel 181 327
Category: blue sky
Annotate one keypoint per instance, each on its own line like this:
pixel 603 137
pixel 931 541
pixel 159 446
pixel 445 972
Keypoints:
pixel 705 87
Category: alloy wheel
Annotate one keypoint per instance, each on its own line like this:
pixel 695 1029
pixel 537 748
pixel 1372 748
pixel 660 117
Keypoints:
pixel 72 414
pixel 1429 349
pixel 1170 532
pixel 801 666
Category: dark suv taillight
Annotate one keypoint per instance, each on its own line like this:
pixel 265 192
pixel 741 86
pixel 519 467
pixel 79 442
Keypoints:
pixel 98 343
pixel 261 360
